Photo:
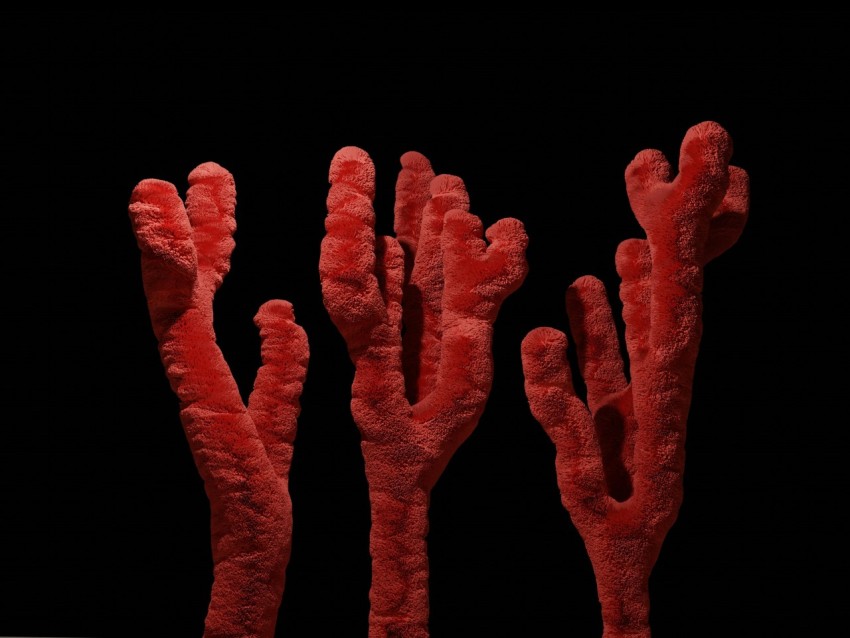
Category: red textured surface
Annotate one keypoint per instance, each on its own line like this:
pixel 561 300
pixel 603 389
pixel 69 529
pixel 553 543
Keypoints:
pixel 620 457
pixel 416 397
pixel 242 453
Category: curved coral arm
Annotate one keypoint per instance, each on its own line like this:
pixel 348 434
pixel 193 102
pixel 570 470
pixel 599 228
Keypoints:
pixel 478 277
pixel 242 453
pixel 620 457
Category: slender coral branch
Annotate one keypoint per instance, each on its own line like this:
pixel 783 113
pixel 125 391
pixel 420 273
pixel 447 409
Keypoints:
pixel 242 453
pixel 620 457
pixel 417 314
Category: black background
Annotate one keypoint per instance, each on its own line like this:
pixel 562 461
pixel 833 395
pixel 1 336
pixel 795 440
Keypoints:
pixel 105 529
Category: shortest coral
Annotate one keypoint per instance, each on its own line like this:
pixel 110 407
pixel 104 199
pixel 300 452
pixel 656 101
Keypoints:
pixel 242 453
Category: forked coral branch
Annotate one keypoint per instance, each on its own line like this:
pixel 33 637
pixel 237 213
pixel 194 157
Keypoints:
pixel 243 453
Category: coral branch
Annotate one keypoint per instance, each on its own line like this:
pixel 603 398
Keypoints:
pixel 243 454
pixel 417 315
pixel 620 458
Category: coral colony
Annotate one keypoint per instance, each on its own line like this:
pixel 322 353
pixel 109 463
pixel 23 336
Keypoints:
pixel 417 313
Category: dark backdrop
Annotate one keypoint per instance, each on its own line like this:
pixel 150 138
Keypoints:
pixel 105 528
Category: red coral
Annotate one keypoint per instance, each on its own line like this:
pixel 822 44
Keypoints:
pixel 416 396
pixel 242 453
pixel 620 458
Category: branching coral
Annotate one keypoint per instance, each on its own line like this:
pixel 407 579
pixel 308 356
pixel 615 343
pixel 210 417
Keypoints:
pixel 242 452
pixel 417 314
pixel 620 457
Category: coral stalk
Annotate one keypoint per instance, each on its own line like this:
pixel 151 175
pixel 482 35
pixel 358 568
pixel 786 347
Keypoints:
pixel 417 314
pixel 620 456
pixel 243 453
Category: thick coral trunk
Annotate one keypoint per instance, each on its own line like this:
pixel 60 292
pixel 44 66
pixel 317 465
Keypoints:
pixel 399 594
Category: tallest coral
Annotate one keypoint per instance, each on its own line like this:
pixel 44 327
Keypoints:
pixel 417 315
pixel 620 456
